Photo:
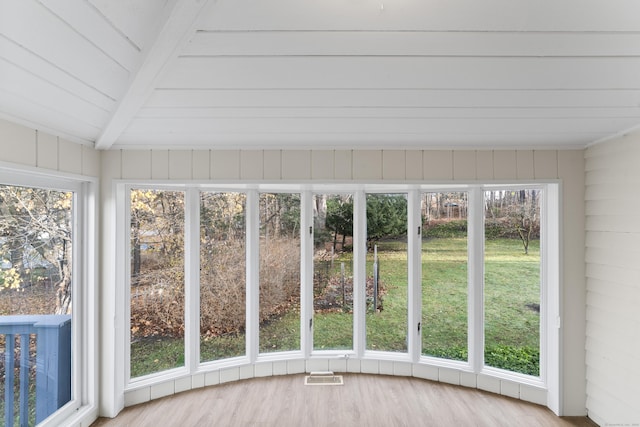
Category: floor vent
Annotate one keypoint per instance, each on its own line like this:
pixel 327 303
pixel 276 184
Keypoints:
pixel 323 378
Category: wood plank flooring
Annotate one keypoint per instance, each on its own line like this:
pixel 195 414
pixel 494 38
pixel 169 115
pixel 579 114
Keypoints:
pixel 364 400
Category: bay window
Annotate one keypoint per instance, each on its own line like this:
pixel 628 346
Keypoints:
pixel 458 276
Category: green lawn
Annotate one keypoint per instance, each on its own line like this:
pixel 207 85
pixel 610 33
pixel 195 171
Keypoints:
pixel 444 298
pixel 387 328
pixel 512 297
pixel 156 354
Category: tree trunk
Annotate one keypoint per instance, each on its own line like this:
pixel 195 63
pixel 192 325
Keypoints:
pixel 63 293
pixel 137 257
pixel 320 211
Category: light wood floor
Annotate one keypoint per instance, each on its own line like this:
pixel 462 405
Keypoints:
pixel 364 400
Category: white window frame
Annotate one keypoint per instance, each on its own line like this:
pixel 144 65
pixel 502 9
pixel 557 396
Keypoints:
pixel 549 379
pixel 84 325
pixel 191 354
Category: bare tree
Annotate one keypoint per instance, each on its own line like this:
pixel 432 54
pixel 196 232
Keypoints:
pixel 35 226
pixel 524 215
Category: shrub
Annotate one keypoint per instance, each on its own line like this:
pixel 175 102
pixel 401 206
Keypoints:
pixel 279 277
pixel 157 305
pixel 447 229
pixel 525 360
pixel 451 353
pixel 328 294
pixel 222 288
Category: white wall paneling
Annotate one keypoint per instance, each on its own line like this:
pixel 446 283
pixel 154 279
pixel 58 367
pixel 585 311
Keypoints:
pixel 613 293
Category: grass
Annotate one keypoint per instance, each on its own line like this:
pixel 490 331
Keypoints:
pixel 222 347
pixel 512 295
pixel 281 334
pixel 512 303
pixel 333 331
pixel 444 298
pixel 386 329
pixel 157 354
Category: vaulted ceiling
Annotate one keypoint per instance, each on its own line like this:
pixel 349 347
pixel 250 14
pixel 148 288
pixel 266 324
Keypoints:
pixel 322 73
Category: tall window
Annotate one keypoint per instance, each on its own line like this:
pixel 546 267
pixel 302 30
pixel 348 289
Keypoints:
pixel 444 275
pixel 512 280
pixel 157 281
pixel 387 272
pixel 333 272
pixel 36 288
pixel 279 272
pixel 222 275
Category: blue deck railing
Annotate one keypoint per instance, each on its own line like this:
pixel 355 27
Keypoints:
pixel 52 361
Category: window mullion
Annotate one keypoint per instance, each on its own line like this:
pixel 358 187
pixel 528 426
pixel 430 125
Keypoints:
pixel 359 272
pixel 252 274
pixel 192 278
pixel 414 293
pixel 306 274
pixel 475 227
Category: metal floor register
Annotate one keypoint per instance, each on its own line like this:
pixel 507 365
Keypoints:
pixel 323 378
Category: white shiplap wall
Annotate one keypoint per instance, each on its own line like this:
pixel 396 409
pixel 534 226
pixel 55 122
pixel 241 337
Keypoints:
pixel 23 146
pixel 612 205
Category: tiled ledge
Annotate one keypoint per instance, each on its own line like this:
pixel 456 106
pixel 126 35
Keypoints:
pixel 453 376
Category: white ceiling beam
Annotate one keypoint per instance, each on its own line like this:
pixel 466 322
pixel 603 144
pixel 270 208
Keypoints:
pixel 177 27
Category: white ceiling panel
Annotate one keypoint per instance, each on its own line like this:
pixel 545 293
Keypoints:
pixel 411 43
pixel 403 72
pixel 87 105
pixel 416 113
pixel 134 19
pixel 433 15
pixel 433 98
pixel 97 29
pixel 291 73
pixel 61 47
pixel 50 119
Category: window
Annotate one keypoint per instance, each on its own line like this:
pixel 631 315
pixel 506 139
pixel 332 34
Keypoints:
pixel 46 274
pixel 157 281
pixel 512 279
pixel 387 272
pixel 453 276
pixel 279 272
pixel 333 272
pixel 222 275
pixel 444 275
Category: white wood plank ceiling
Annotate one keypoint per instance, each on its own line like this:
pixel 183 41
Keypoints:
pixel 322 73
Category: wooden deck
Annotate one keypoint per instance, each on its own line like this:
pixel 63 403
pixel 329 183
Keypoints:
pixel 363 400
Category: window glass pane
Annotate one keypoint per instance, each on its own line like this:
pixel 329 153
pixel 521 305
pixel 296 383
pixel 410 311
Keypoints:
pixel 512 280
pixel 157 281
pixel 387 272
pixel 444 275
pixel 222 275
pixel 36 246
pixel 333 272
pixel 279 272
